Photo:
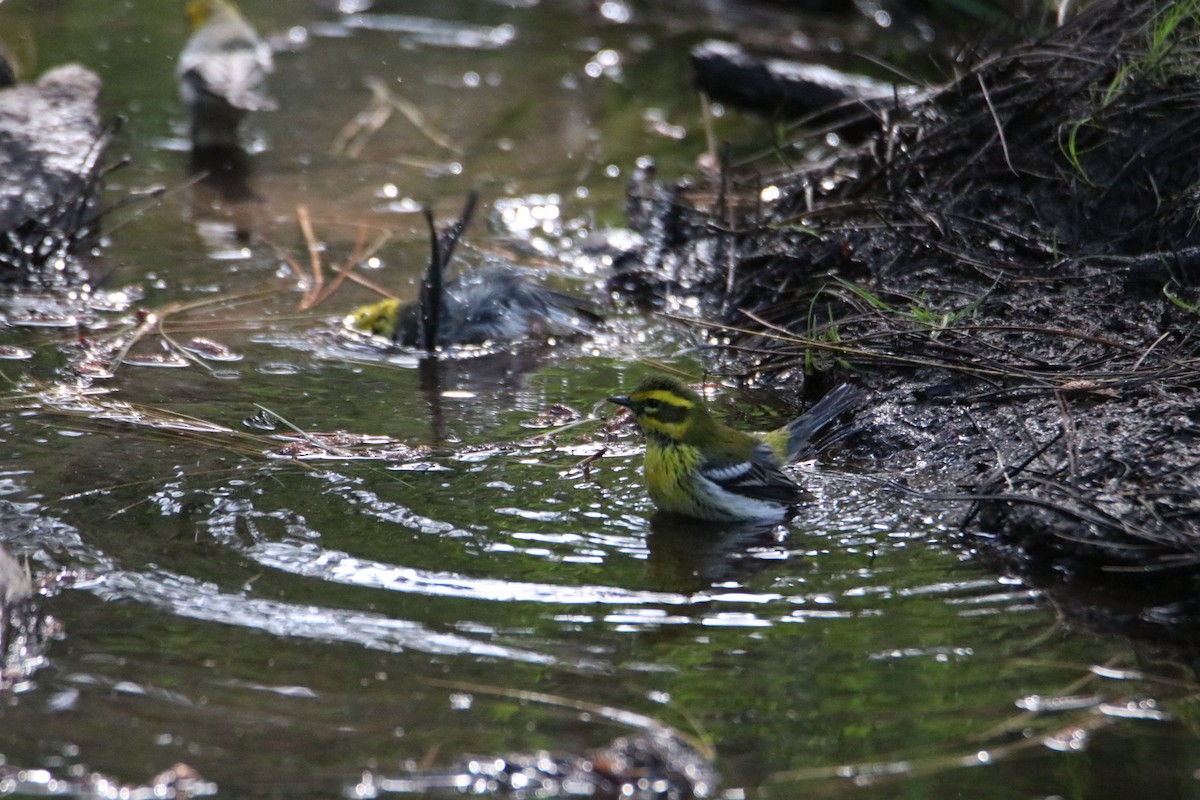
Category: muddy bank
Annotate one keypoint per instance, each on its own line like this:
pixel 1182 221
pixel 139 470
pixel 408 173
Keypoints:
pixel 1009 263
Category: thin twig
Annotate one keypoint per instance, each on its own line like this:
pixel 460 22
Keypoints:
pixel 987 98
pixel 1150 349
pixel 346 271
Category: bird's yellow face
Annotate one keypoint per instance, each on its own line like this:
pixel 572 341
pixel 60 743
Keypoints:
pixel 377 318
pixel 198 12
pixel 201 11
pixel 664 407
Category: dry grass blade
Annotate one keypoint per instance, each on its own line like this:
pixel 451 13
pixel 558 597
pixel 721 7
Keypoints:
pixel 115 348
pixel 357 133
pixel 314 259
pixel 346 270
pixel 316 291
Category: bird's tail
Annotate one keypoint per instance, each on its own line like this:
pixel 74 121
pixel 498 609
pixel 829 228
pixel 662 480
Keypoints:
pixel 442 246
pixel 818 429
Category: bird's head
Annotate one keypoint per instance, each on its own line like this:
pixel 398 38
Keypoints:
pixel 201 11
pixel 665 407
pixel 378 318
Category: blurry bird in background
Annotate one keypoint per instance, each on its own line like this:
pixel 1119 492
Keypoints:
pixel 221 73
pixel 493 304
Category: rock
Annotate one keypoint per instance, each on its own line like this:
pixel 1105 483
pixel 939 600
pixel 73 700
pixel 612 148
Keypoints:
pixel 51 142
pixel 14 583
pixel 777 88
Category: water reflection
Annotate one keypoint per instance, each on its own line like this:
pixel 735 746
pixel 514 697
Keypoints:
pixel 222 193
pixel 22 639
pixel 687 556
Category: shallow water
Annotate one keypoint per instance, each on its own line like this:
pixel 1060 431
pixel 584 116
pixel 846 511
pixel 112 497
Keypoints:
pixel 285 614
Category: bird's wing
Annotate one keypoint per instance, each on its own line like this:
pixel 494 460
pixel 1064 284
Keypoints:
pixel 757 477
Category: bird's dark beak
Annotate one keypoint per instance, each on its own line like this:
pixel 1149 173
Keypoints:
pixel 621 401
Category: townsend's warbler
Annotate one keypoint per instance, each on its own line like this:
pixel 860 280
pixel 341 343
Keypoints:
pixel 221 72
pixel 492 304
pixel 698 467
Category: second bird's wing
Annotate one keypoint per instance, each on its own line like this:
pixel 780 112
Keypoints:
pixel 757 477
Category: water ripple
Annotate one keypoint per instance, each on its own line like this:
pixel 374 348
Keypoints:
pixel 332 565
pixel 438 32
pixel 188 597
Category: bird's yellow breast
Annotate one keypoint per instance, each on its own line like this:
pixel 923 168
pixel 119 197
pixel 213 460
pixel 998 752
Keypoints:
pixel 669 475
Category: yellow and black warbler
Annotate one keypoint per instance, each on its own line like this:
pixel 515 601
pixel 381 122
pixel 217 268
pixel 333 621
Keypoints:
pixel 698 467
pixel 221 72
pixel 493 304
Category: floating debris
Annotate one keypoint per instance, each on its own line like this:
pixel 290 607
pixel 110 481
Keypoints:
pixel 443 33
pixel 344 446
pixel 552 417
pixel 210 350
pixel 179 782
pixel 44 319
pixel 1041 703
pixel 168 359
pixel 655 764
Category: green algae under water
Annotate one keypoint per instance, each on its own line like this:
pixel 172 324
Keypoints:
pixel 284 624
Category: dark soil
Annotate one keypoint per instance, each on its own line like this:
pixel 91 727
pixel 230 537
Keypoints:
pixel 1011 265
